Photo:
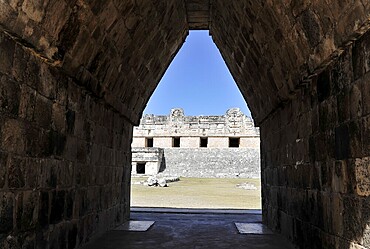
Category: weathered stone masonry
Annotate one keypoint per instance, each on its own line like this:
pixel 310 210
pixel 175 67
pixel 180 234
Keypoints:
pixel 65 134
pixel 77 74
pixel 62 153
pixel 318 183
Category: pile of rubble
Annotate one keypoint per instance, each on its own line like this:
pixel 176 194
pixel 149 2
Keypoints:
pixel 158 181
pixel 154 181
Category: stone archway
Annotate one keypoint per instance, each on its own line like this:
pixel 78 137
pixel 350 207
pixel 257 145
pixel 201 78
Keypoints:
pixel 76 75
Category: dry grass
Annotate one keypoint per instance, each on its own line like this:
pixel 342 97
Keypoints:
pixel 198 193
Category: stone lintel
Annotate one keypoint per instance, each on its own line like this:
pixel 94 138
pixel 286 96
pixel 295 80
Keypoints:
pixel 198 14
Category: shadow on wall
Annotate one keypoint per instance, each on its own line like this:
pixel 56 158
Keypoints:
pixel 163 164
pixel 316 175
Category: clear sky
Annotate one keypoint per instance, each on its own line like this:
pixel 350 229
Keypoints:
pixel 198 81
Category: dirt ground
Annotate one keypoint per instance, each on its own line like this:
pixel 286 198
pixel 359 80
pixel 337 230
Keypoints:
pixel 215 193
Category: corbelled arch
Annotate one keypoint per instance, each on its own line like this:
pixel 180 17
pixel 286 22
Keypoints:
pixel 77 74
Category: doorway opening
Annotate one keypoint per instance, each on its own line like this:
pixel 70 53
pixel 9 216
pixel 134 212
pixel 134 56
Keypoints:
pixel 199 137
pixel 203 142
pixel 140 168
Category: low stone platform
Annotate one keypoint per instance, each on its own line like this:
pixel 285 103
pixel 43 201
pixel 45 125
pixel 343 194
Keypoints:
pixel 191 229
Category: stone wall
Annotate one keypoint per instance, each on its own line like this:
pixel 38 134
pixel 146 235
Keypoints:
pixel 70 67
pixel 64 156
pixel 67 110
pixel 212 162
pixel 152 157
pixel 316 157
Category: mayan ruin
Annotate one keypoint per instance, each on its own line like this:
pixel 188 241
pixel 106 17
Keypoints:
pixel 197 146
pixel 76 75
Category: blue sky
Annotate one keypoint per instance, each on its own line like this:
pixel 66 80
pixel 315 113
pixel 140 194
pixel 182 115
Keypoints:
pixel 198 81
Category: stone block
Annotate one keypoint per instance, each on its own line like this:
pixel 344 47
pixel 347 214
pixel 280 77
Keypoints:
pixel 342 72
pixel 82 206
pixel 337 211
pixel 56 15
pixel 42 113
pixel 48 81
pixel 69 204
pixel 69 173
pixel 7 48
pixel 57 143
pixel 9 95
pixel 70 148
pixel 355 101
pixel 323 87
pixel 58 121
pixel 34 11
pixel 342 139
pixel 352 218
pixel 16 172
pixel 327 114
pixel 355 139
pixel 57 211
pixel 343 105
pixel 366 135
pixel 6 212
pixel 82 174
pixel 3 168
pixel 13 136
pixel 361 56
pixel 32 172
pixel 48 174
pixel 27 102
pixel 26 68
pixel 27 208
pixel 365 89
pixel 37 142
pixel 72 236
pixel 339 180
pixel 70 118
pixel 362 169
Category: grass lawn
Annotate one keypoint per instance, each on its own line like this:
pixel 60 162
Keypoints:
pixel 198 193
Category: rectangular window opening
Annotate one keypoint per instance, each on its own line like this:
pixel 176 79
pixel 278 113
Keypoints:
pixel 140 168
pixel 149 142
pixel 204 142
pixel 175 142
pixel 234 142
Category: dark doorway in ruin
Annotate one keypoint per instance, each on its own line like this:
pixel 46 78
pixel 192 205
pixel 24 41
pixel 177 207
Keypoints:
pixel 140 168
pixel 149 142
pixel 203 142
pixel 176 142
pixel 191 121
pixel 234 142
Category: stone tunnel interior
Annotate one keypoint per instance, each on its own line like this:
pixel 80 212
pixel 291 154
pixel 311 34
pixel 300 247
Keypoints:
pixel 75 76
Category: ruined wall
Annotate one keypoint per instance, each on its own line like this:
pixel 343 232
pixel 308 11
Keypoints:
pixel 212 162
pixel 63 156
pixel 215 159
pixel 315 157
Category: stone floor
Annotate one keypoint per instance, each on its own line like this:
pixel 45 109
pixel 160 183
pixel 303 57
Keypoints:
pixel 190 229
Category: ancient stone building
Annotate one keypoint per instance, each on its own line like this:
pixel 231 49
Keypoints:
pixel 76 75
pixel 197 146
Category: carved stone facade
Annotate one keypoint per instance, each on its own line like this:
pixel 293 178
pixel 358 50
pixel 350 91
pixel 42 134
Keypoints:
pixel 191 129
pixel 198 146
